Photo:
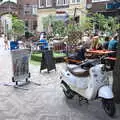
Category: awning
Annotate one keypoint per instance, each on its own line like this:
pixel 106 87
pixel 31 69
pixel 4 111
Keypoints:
pixel 62 16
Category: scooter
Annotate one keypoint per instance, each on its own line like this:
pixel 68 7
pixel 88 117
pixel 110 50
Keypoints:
pixel 89 81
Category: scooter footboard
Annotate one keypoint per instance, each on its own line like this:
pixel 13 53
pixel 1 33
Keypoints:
pixel 105 92
pixel 64 85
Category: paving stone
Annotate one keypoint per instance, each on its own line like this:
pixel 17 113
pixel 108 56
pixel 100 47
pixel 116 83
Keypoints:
pixel 45 102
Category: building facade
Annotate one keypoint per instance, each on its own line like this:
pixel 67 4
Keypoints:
pixel 7 7
pixel 60 8
pixel 102 6
pixel 28 13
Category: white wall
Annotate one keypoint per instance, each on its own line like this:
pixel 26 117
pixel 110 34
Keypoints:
pixel 6 21
pixel 41 14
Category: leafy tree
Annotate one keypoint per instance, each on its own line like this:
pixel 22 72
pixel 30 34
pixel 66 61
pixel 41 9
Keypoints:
pixel 48 21
pixel 58 27
pixel 102 23
pixel 17 26
pixel 88 24
pixel 112 24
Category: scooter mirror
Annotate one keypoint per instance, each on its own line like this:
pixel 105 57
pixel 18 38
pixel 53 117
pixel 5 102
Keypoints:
pixel 103 68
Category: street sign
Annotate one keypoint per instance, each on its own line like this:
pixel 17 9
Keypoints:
pixel 20 63
pixel 113 5
pixel 47 61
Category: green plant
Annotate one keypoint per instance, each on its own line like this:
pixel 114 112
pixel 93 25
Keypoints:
pixel 102 23
pixel 58 27
pixel 87 25
pixel 17 26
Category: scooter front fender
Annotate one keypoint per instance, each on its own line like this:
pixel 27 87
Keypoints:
pixel 105 92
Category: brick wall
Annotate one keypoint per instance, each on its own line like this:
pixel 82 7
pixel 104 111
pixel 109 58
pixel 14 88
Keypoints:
pixel 26 5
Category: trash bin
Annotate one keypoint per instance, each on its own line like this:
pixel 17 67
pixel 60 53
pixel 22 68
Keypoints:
pixel 20 65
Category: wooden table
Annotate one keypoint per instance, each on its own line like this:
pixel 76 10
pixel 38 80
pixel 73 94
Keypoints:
pixel 111 58
pixel 100 52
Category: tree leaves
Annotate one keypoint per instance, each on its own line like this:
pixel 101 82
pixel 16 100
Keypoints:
pixel 17 26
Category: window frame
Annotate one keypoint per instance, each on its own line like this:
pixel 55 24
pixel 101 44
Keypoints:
pixel 48 5
pixel 63 3
pixel 95 1
pixel 40 6
pixel 76 2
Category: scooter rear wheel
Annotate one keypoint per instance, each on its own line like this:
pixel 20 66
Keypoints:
pixel 109 106
pixel 69 94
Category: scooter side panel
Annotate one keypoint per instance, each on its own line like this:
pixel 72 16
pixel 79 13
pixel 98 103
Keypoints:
pixel 105 92
pixel 98 79
pixel 77 84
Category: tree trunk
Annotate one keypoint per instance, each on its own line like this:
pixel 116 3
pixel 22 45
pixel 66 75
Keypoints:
pixel 116 74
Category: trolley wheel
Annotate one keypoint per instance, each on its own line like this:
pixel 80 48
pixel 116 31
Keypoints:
pixel 13 80
pixel 29 75
pixel 16 82
pixel 26 79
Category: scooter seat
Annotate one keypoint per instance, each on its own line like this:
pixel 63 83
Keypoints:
pixel 79 72
pixel 72 66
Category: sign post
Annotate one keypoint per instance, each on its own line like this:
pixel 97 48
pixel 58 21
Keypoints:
pixel 47 60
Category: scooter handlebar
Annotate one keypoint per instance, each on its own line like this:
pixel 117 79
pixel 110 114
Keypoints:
pixel 90 63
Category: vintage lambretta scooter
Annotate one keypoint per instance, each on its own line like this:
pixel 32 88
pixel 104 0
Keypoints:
pixel 89 81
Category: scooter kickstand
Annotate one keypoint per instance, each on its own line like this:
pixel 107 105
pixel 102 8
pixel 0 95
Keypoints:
pixel 83 100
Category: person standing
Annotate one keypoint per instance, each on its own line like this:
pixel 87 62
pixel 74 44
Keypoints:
pixel 1 42
pixel 86 40
pixel 44 43
pixel 106 43
pixel 6 42
pixel 113 46
pixel 95 42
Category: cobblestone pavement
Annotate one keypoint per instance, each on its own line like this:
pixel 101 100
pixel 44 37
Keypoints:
pixel 45 102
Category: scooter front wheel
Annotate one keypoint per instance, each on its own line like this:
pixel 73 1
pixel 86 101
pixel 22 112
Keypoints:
pixel 109 106
pixel 68 93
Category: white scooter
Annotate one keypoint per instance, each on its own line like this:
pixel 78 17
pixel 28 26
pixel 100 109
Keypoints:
pixel 89 84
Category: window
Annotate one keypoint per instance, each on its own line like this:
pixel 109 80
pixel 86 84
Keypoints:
pixel 62 2
pixel 48 3
pixel 41 3
pixel 34 25
pixel 27 9
pixel 26 24
pixel 75 1
pixel 34 9
pixel 27 13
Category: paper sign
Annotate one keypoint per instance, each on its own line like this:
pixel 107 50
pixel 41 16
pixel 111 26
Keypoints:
pixel 20 62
